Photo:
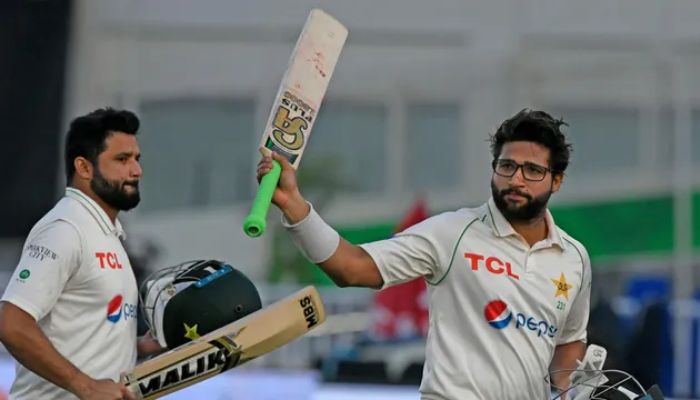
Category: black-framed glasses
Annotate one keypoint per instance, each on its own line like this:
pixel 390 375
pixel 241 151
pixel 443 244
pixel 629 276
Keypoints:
pixel 531 172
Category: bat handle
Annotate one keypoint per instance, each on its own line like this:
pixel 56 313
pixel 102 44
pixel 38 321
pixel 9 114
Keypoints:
pixel 254 224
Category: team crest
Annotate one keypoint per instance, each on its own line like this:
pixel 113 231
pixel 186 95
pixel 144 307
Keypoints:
pixel 191 332
pixel 562 287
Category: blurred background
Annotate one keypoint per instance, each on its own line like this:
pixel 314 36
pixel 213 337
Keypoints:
pixel 402 135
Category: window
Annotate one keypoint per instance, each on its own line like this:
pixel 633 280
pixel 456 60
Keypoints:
pixel 665 138
pixel 433 146
pixel 197 152
pixel 349 141
pixel 603 139
pixel 695 132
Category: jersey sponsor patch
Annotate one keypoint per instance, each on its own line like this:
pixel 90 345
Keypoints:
pixel 491 264
pixel 108 260
pixel 114 309
pixel 40 253
pixel 23 275
pixel 118 308
pixel 498 315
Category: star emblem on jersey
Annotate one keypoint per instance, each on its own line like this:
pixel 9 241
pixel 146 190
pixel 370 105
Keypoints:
pixel 562 286
pixel 191 332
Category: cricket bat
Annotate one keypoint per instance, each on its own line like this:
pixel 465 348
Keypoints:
pixel 229 346
pixel 296 105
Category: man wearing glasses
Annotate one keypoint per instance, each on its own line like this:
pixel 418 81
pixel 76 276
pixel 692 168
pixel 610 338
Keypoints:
pixel 509 292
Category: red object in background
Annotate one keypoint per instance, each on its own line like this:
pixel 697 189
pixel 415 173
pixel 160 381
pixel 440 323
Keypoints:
pixel 401 311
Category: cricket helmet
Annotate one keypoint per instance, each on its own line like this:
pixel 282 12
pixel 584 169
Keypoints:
pixel 589 381
pixel 188 300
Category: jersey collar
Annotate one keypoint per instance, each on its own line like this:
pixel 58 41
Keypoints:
pixel 97 213
pixel 502 228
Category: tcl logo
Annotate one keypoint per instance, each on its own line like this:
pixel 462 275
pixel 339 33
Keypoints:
pixel 492 264
pixel 108 260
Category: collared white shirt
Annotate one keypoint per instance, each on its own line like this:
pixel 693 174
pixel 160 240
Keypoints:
pixel 497 306
pixel 75 279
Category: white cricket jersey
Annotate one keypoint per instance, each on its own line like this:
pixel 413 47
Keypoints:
pixel 75 279
pixel 497 307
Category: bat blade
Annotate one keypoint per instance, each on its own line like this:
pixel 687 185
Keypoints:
pixel 297 103
pixel 303 86
pixel 229 346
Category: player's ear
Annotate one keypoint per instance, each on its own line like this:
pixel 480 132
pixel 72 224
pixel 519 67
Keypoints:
pixel 83 168
pixel 557 180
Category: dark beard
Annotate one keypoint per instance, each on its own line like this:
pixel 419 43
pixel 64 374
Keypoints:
pixel 533 208
pixel 114 193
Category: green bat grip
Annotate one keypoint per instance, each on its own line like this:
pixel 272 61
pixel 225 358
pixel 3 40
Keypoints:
pixel 254 224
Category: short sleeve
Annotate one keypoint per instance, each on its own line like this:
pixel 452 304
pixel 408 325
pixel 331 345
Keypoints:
pixel 423 250
pixel 49 258
pixel 575 328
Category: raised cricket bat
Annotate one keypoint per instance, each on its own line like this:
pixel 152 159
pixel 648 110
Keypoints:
pixel 229 346
pixel 297 104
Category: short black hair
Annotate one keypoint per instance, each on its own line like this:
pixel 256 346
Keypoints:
pixel 538 127
pixel 87 134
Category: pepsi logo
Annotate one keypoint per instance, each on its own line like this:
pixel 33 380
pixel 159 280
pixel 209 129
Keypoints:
pixel 497 314
pixel 114 309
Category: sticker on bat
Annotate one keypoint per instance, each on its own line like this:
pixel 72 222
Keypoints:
pixel 290 126
pixel 223 355
pixel 307 306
